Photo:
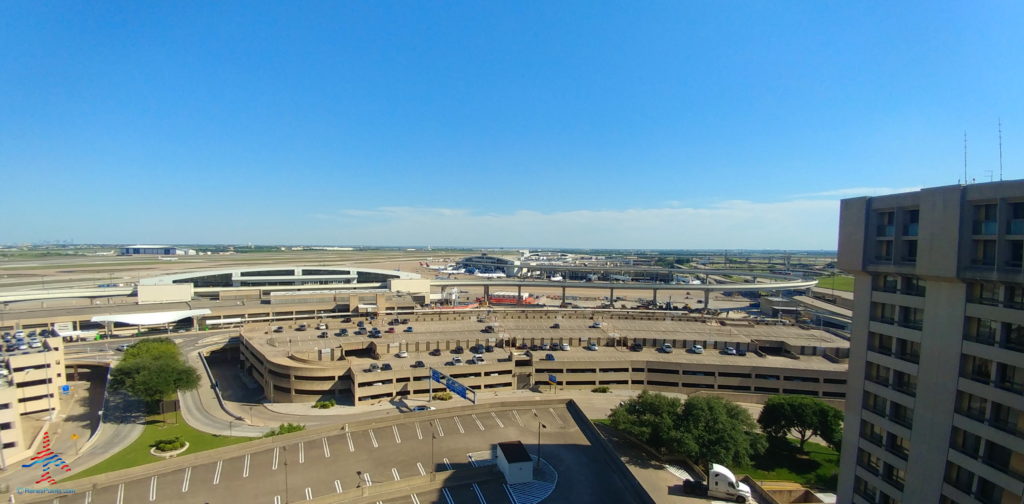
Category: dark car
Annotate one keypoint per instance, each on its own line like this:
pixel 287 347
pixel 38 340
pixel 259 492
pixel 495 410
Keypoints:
pixel 361 324
pixel 556 325
pixel 636 347
pixel 523 346
pixel 534 347
pixel 385 367
pixel 741 353
pixel 458 350
pixel 323 334
pixel 435 352
pixel 418 364
pixel 342 332
pixel 408 329
pixel 549 357
pixel 489 348
pixel 302 327
pixel 347 319
pixel 488 329
pixel 405 321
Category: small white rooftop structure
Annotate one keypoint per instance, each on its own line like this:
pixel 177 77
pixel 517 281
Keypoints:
pixel 515 462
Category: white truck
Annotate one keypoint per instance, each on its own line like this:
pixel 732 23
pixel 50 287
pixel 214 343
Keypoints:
pixel 722 484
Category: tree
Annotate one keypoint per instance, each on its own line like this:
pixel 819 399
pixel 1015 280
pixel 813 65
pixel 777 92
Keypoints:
pixel 713 429
pixel 152 370
pixel 650 417
pixel 803 416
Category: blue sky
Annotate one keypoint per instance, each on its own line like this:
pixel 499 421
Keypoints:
pixel 527 124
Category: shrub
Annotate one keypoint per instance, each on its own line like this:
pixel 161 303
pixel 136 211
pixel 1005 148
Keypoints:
pixel 443 396
pixel 166 445
pixel 601 389
pixel 285 428
pixel 328 404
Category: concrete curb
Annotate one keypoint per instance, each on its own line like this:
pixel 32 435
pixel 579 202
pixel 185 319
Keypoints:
pixel 599 442
pixel 216 388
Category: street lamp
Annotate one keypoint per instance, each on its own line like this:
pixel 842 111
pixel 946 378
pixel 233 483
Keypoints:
pixel 433 436
pixel 540 425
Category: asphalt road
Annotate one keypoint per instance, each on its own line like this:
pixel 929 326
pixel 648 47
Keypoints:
pixel 346 461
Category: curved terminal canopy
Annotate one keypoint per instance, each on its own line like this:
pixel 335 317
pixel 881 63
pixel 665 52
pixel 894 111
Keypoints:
pixel 151 318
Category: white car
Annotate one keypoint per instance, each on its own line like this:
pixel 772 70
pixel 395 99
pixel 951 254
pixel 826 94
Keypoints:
pixel 401 355
pixel 697 349
pixel 729 351
pixel 456 361
pixel 321 327
pixel 667 348
pixel 592 347
pixel 565 347
pixel 478 358
pixel 35 344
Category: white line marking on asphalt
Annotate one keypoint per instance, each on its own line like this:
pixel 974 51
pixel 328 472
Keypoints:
pixel 120 493
pixel 420 467
pixel 216 474
pixel 478 423
pixel 327 449
pixel 152 489
pixel 337 485
pixel 395 472
pixel 88 497
pixel 479 494
pixel 496 419
pixel 397 438
pixel 277 451
pixel 447 464
pixel 245 468
pixel 373 438
pixel 302 452
pixel 188 474
pixel 447 496
pixel 277 499
pixel 366 478
pixel 309 493
pixel 440 431
pixel 351 447
pixel 508 492
pixel 415 500
pixel 518 420
pixel 459 425
pixel 419 434
pixel 552 410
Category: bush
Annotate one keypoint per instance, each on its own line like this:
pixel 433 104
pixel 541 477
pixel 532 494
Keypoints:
pixel 166 445
pixel 285 428
pixel 328 404
pixel 602 389
pixel 443 396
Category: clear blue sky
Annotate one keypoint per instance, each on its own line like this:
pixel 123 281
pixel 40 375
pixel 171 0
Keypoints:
pixel 532 124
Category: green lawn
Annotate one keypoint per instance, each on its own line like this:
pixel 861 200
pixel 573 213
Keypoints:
pixel 818 468
pixel 137 453
pixel 839 282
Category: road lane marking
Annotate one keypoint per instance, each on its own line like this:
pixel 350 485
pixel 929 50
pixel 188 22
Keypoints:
pixel 518 420
pixel 447 464
pixel 216 474
pixel 277 499
pixel 152 489
pixel 188 474
pixel 419 434
pixel 373 438
pixel 478 423
pixel 397 438
pixel 120 493
pixel 479 494
pixel 337 485
pixel 302 452
pixel 420 467
pixel 277 451
pixel 366 479
pixel 496 419
pixel 395 472
pixel 309 493
pixel 440 431
pixel 88 497
pixel 447 496
pixel 415 500
pixel 351 447
pixel 327 449
pixel 459 425
pixel 552 410
pixel 508 492
pixel 245 468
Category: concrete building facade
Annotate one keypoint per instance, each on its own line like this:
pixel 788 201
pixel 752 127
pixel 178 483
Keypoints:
pixel 935 409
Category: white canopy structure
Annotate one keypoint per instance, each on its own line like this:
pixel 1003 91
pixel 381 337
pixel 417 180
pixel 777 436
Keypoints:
pixel 151 318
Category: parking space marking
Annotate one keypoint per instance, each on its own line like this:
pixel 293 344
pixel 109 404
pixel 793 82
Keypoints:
pixel 395 473
pixel 337 485
pixel 366 479
pixel 552 410
pixel 277 451
pixel 351 447
pixel 496 419
pixel 373 438
pixel 397 438
pixel 508 492
pixel 302 452
pixel 327 449
pixel 216 473
pixel 245 468
pixel 420 467
pixel 447 464
pixel 415 500
pixel 447 495
pixel 120 493
pixel 277 499
pixel 518 420
pixel 479 494
pixel 440 431
pixel 88 497
pixel 459 425
pixel 419 434
pixel 188 474
pixel 478 423
pixel 152 489
pixel 309 493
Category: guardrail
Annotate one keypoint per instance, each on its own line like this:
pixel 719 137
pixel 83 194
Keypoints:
pixel 216 389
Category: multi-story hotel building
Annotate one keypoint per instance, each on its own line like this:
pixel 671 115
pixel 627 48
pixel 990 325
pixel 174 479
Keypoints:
pixel 935 404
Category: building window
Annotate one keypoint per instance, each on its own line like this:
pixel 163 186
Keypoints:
pixel 885 283
pixel 885 228
pixel 907 350
pixel 971 405
pixel 986 293
pixel 982 331
pixel 990 493
pixel 894 476
pixel 911 217
pixel 975 368
pixel 913 286
pixel 904 382
pixel 1010 377
pixel 959 478
pixel 902 415
pixel 871 432
pixel 897 445
pixel 868 461
pixel 883 250
pixel 965 442
pixel 1016 254
pixel 877 373
pixel 864 489
pixel 880 343
pixel 1013 297
pixel 1007 419
pixel 875 403
pixel 1013 337
pixel 1016 224
pixel 985 220
pixel 883 312
pixel 909 253
pixel 912 318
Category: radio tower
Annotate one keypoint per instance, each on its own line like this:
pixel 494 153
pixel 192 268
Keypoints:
pixel 1000 149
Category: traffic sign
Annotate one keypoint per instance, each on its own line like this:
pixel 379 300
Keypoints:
pixel 65 389
pixel 436 376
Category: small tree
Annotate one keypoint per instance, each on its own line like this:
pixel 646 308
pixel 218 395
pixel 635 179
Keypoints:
pixel 803 416
pixel 153 369
pixel 650 417
pixel 713 429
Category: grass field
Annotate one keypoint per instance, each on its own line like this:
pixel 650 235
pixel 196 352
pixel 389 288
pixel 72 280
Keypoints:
pixel 137 453
pixel 818 467
pixel 839 282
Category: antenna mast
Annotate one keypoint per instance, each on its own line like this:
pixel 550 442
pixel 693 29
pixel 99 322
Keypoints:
pixel 965 157
pixel 1000 149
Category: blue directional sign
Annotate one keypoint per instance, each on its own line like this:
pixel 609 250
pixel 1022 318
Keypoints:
pixel 552 378
pixel 436 376
pixel 456 388
pixel 65 389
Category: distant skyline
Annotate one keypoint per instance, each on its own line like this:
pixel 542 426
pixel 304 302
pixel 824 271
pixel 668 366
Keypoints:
pixel 653 125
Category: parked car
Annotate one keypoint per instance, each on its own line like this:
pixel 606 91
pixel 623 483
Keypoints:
pixel 419 364
pixel 565 347
pixel 666 348
pixel 478 358
pixel 122 347
pixel 549 357
pixel 321 326
pixel 302 327
pixel 342 332
pixel 592 347
pixel 729 350
pixel 456 361
pixel 401 355
pixel 545 346
pixel 323 334
pixel 385 367
pixel 596 325
pixel 374 367
pixel 489 348
pixel 556 325
pixel 390 330
pixel 423 408
pixel 636 347
pixel 347 320
pixel 435 352
pixel 279 329
pixel 534 347
pixel 457 350
pixel 408 329
pixel 696 349
pixel 741 353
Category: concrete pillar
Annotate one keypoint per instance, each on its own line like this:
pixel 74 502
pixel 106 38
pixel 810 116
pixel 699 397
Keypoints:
pixel 519 295
pixel 655 296
pixel 487 294
pixel 707 299
pixel 563 294
pixel 611 297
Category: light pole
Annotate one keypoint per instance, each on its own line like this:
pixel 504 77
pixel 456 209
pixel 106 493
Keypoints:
pixel 433 436
pixel 540 425
pixel 285 474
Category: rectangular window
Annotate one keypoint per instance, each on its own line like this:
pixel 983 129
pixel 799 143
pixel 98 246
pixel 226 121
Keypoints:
pixel 1010 378
pixel 910 226
pixel 877 373
pixel 907 350
pixel 965 442
pixel 883 312
pixel 986 293
pixel 975 368
pixel 984 219
pixel 971 405
pixel 868 461
pixel 885 228
pixel 875 403
pixel 982 331
pixel 904 382
pixel 958 477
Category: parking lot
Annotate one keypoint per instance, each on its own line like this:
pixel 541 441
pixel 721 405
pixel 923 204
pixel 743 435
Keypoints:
pixel 346 461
